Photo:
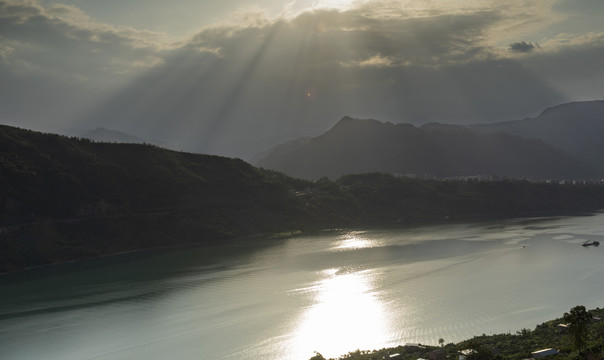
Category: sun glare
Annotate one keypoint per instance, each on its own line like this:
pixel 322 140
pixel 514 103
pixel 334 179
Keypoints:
pixel 346 313
pixel 352 241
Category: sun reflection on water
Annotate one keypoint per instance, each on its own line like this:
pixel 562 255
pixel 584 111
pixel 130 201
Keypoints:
pixel 354 241
pixel 345 313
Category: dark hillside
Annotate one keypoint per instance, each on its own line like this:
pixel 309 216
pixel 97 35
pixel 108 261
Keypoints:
pixel 50 176
pixel 64 198
pixel 69 199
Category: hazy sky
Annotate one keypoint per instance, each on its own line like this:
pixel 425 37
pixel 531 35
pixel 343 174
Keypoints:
pixel 234 77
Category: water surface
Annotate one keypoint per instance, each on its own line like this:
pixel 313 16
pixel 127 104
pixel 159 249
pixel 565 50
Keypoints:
pixel 332 292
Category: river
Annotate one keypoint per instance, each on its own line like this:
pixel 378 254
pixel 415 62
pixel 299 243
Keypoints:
pixel 331 292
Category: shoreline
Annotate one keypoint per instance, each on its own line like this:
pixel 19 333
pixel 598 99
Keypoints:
pixel 518 345
pixel 269 239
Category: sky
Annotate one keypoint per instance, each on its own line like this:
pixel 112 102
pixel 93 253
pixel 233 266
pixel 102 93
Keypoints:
pixel 234 78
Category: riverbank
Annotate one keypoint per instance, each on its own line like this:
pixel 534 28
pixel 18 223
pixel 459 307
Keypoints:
pixel 31 232
pixel 553 334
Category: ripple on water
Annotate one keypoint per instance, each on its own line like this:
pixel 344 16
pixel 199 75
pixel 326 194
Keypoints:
pixel 333 293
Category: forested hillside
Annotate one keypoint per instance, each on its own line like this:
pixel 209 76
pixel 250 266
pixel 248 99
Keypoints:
pixel 68 198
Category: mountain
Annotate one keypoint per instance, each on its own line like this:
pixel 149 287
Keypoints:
pixel 359 146
pixel 64 199
pixel 577 128
pixel 280 150
pixel 108 135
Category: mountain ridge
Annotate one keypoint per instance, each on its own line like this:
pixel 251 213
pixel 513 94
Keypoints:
pixel 441 150
pixel 576 128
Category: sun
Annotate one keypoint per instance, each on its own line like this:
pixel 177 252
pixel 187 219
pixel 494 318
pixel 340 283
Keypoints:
pixel 309 93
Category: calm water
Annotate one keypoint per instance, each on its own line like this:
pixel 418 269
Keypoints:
pixel 333 293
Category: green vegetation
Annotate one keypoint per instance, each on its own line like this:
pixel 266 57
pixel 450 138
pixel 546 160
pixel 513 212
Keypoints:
pixel 578 319
pixel 67 199
pixel 516 346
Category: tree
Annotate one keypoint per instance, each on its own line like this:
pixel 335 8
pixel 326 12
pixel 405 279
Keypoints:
pixel 317 356
pixel 441 341
pixel 578 318
pixel 478 351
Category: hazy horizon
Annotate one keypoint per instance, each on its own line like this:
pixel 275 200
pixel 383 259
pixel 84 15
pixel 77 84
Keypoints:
pixel 236 77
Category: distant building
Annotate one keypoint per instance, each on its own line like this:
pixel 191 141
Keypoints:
pixel 563 328
pixel 544 353
pixel 464 353
pixel 392 356
pixel 437 355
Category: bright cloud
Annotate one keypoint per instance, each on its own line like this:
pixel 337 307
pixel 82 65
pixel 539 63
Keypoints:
pixel 239 85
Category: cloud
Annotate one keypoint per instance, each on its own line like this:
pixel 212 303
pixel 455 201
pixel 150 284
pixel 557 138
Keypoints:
pixel 373 61
pixel 5 50
pixel 572 64
pixel 240 86
pixel 522 47
pixel 251 88
pixel 327 37
pixel 55 62
pixel 64 41
pixel 566 41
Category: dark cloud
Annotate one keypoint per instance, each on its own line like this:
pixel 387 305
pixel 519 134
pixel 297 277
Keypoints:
pixel 236 89
pixel 62 41
pixel 522 47
pixel 251 88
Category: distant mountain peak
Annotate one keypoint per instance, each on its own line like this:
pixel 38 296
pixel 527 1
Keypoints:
pixel 571 106
pixel 350 121
pixel 441 126
pixel 347 120
pixel 441 150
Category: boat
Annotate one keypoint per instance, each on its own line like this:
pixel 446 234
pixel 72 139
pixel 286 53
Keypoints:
pixel 591 243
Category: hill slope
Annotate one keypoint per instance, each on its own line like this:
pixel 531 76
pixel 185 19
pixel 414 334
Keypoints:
pixel 64 198
pixel 69 199
pixel 358 146
pixel 576 128
pixel 109 135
